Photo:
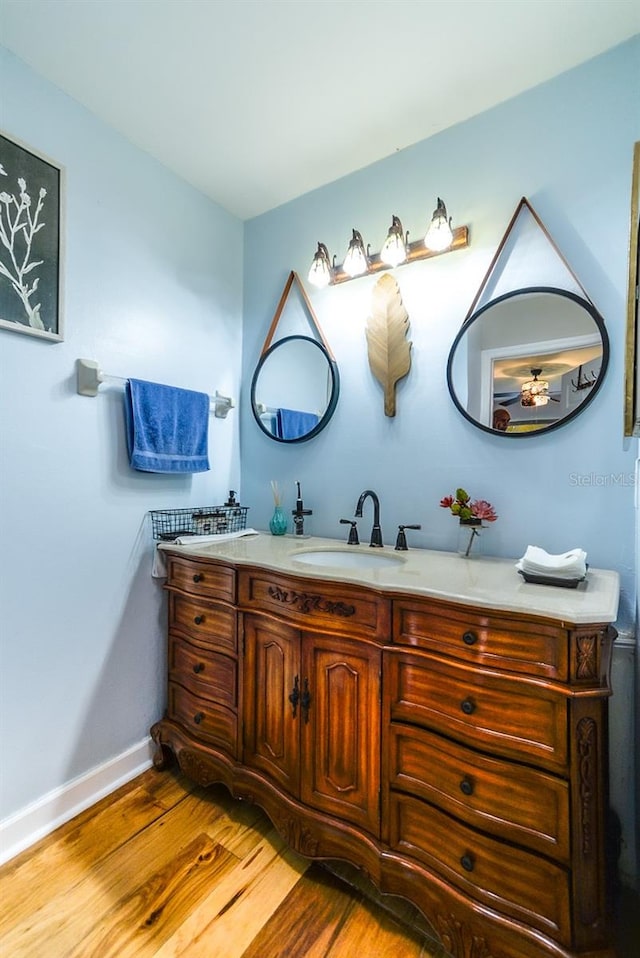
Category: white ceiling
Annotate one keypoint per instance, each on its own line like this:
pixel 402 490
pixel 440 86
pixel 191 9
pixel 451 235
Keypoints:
pixel 255 102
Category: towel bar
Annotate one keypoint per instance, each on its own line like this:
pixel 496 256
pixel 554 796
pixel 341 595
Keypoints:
pixel 264 410
pixel 90 376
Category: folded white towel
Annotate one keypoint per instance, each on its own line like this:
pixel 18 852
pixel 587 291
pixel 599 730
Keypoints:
pixel 567 565
pixel 199 540
pixel 159 567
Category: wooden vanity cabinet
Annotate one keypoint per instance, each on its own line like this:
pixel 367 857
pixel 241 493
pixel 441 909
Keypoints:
pixel 457 755
pixel 312 717
pixel 496 769
pixel 204 678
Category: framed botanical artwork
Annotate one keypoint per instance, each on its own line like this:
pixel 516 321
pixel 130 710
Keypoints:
pixel 31 241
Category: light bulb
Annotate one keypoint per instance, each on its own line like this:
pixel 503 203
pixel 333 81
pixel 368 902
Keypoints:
pixel 355 262
pixel 394 251
pixel 439 235
pixel 320 271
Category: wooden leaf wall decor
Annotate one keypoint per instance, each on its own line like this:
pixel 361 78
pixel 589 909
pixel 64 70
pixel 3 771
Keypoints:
pixel 389 350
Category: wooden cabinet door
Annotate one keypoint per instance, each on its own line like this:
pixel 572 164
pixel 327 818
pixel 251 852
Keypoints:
pixel 340 731
pixel 271 731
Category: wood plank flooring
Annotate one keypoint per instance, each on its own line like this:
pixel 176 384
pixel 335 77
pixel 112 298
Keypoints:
pixel 162 869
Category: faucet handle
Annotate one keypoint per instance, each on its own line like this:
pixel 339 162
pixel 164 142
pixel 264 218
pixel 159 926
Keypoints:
pixel 401 541
pixel 353 531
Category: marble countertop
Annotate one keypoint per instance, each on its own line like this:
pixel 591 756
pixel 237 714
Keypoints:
pixel 482 581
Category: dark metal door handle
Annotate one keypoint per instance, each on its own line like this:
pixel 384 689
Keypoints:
pixel 305 701
pixel 294 697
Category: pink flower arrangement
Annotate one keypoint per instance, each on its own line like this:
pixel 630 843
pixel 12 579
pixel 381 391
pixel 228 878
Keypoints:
pixel 466 510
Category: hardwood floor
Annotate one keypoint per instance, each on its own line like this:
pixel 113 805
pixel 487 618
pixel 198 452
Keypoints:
pixel 162 869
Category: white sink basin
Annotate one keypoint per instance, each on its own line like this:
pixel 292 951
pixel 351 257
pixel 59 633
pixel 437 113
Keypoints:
pixel 344 559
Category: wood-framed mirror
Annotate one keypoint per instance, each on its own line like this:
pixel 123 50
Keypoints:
pixel 296 384
pixel 632 349
pixel 529 359
pixel 294 390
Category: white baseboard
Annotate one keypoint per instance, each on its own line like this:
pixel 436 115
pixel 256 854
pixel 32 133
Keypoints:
pixel 40 818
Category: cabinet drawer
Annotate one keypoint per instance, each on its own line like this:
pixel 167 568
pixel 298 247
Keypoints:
pixel 203 672
pixel 201 578
pixel 510 801
pixel 517 883
pixel 516 718
pixel 317 604
pixel 210 723
pixel 206 623
pixel 532 647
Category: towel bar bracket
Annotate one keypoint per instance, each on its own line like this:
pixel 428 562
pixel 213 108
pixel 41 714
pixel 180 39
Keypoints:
pixel 90 377
pixel 222 405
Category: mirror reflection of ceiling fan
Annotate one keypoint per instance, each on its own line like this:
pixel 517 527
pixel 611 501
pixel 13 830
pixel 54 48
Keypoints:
pixel 533 392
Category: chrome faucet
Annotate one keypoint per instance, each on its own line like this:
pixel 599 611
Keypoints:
pixel 376 531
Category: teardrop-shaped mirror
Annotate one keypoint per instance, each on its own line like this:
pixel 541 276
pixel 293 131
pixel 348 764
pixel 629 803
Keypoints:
pixel 294 390
pixel 528 361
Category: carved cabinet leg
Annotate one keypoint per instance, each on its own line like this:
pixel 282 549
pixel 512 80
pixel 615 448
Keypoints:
pixel 163 756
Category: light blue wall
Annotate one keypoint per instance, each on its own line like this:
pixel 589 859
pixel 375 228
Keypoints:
pixel 153 290
pixel 566 146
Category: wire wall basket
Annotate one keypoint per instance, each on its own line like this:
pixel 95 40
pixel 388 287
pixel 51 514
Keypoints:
pixel 169 524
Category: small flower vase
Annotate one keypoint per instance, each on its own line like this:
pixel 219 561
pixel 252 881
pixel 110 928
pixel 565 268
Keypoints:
pixel 278 522
pixel 471 538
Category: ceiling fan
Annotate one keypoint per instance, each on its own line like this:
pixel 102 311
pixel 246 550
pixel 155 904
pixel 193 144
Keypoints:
pixel 533 392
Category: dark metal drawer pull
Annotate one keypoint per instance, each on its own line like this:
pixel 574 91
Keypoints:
pixel 198 667
pixel 467 707
pixel 199 619
pixel 198 577
pixel 467 861
pixel 469 638
pixel 198 717
pixel 466 786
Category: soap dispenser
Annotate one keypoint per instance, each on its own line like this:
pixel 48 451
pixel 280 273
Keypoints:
pixel 299 514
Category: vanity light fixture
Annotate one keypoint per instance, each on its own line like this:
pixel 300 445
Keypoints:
pixel 320 272
pixel 356 262
pixel 439 235
pixel 396 250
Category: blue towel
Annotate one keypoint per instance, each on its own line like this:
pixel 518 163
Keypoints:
pixel 292 424
pixel 167 428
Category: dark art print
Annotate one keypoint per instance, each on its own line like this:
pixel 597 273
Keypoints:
pixel 30 242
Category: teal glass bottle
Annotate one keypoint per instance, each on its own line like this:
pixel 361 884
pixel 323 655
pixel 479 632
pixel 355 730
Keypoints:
pixel 278 522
